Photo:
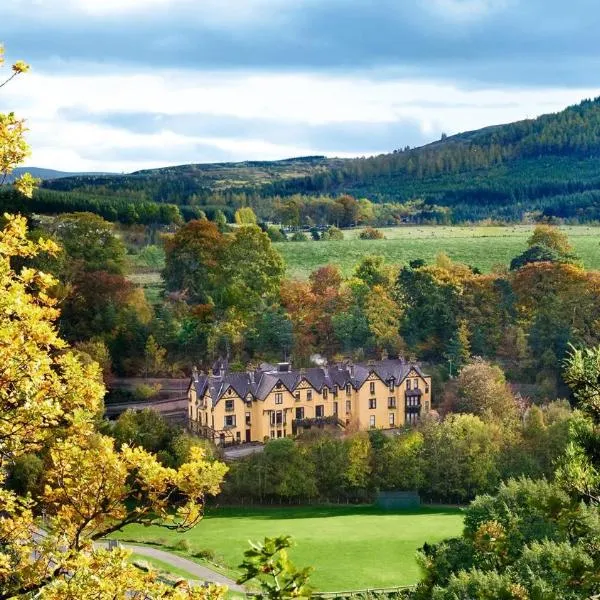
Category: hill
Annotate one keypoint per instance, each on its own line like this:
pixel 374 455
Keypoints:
pixel 549 166
pixel 41 173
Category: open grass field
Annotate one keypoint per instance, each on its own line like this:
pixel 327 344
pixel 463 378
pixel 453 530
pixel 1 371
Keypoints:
pixel 349 547
pixel 481 247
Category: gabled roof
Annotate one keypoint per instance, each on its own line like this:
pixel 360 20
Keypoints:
pixel 261 382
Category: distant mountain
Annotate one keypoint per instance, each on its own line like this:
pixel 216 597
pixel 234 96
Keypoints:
pixel 41 173
pixel 549 166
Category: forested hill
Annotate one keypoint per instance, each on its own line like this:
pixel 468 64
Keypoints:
pixel 549 165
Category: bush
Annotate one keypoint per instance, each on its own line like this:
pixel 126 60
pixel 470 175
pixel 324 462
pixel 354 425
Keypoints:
pixel 206 554
pixel 370 233
pixel 333 234
pixel 276 235
pixel 145 392
pixel 299 236
pixel 183 546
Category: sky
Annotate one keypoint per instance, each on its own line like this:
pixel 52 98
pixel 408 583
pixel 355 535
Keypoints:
pixel 121 85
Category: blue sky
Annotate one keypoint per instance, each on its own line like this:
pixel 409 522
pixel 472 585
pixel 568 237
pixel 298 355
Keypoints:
pixel 121 85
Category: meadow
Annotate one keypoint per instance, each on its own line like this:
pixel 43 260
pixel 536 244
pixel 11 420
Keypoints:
pixel 349 547
pixel 484 247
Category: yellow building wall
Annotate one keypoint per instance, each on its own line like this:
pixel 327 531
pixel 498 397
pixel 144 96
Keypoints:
pixel 259 411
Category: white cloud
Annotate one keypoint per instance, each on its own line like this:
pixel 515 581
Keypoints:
pixel 45 100
pixel 466 10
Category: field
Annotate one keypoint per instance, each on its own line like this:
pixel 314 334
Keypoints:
pixel 349 547
pixel 481 247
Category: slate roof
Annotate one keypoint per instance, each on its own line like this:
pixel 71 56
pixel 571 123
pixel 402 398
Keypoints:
pixel 262 381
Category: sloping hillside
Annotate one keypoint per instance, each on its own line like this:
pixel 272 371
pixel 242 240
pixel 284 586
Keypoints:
pixel 549 165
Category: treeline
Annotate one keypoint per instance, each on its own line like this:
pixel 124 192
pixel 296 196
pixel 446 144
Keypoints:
pixel 113 209
pixel 448 462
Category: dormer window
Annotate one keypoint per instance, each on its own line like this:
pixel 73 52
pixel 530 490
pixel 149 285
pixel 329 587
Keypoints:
pixel 325 392
pixel 391 385
pixel 348 389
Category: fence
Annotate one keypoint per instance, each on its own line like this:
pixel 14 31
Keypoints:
pixel 399 593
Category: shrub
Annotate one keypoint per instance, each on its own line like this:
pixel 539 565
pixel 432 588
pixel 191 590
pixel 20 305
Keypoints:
pixel 145 392
pixel 333 234
pixel 276 235
pixel 299 236
pixel 183 546
pixel 370 233
pixel 206 554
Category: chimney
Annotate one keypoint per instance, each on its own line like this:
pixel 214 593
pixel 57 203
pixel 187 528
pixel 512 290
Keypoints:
pixel 195 373
pixel 251 376
pixel 384 355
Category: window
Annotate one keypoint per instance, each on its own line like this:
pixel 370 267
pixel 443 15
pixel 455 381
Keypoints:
pixel 391 402
pixel 391 385
pixel 272 433
pixel 279 417
pixel 335 390
pixel 408 384
pixel 372 421
pixel 348 389
pixel 335 408
pixel 272 418
pixel 426 388
pixel 325 392
pixel 297 396
pixel 279 433
pixel 230 421
pixel 392 419
pixel 229 405
pixel 319 411
pixel 300 413
pixel 372 403
pixel 238 436
pixel 372 387
pixel 348 406
pixel 416 384
pixel 278 398
pixel 248 418
pixel 309 395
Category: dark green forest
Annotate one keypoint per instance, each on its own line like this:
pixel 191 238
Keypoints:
pixel 544 168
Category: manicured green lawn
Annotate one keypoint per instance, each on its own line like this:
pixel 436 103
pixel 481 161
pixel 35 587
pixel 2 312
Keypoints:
pixel 349 547
pixel 481 247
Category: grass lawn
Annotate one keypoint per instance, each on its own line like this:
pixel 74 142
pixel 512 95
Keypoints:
pixel 349 547
pixel 481 247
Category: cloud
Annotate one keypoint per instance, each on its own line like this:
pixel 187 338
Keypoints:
pixel 484 42
pixel 127 84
